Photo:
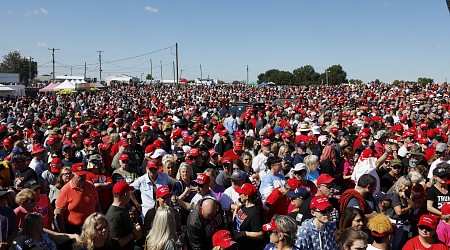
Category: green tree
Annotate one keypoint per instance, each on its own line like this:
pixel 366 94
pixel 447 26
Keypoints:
pixel 424 81
pixel 306 75
pixel 13 62
pixel 276 76
pixel 355 81
pixel 149 77
pixel 336 75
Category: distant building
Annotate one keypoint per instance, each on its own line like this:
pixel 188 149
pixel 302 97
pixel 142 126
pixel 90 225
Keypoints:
pixel 10 77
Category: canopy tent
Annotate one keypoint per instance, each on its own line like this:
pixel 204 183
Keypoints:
pixel 77 81
pixel 66 92
pixel 49 87
pixel 271 83
pixel 252 84
pixel 5 90
pixel 65 85
pixel 98 85
pixel 262 84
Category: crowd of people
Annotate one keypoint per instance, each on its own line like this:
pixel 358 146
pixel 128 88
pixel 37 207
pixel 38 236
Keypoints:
pixel 164 167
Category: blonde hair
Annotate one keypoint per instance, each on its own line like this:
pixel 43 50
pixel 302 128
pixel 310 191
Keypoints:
pixel 59 181
pixel 311 162
pixel 163 230
pixel 185 165
pixel 282 150
pixel 23 195
pixel 168 158
pixel 114 138
pixel 88 232
pixel 403 180
pixel 415 176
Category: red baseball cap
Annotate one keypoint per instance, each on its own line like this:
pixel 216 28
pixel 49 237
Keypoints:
pixel 87 141
pixel 334 129
pixel 445 209
pixel 237 144
pixel 247 189
pixel 286 135
pixel 227 160
pixel 152 163
pixel 203 179
pixel 162 191
pixel 428 221
pixel 366 153
pixel 7 141
pixel 37 148
pixel 270 226
pixel 265 142
pixel 149 149
pixel 188 138
pixel 121 188
pixel 223 239
pixel 212 152
pixel 201 133
pixel 324 179
pixel 194 152
pixel 124 157
pixel 55 165
pixel 320 203
pixel 223 132
pixel 79 168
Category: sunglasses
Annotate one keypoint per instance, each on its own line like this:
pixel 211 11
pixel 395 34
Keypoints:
pixel 30 201
pixel 272 231
pixel 328 210
pixel 396 167
pixel 329 186
pixel 425 228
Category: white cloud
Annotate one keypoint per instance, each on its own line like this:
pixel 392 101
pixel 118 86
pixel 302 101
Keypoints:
pixel 151 9
pixel 41 44
pixel 38 11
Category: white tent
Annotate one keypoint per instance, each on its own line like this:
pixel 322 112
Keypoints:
pixel 65 85
pixel 5 90
pixel 72 82
pixel 77 81
pixel 98 85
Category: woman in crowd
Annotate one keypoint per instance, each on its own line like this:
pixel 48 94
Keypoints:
pixel 426 238
pixel 169 165
pixel 403 205
pixel 27 204
pixel 299 172
pixel 439 191
pixel 163 235
pixel 312 164
pixel 282 231
pixel 95 234
pixel 183 190
pixel 247 158
pixel 33 236
pixel 248 218
pixel 65 175
pixel 443 228
pixel 419 197
pixel 346 167
pixel 328 161
pixel 352 238
pixel 352 217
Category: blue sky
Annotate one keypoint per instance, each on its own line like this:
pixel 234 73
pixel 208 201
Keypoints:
pixel 371 39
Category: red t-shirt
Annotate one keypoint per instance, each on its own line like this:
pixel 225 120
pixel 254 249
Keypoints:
pixel 104 195
pixel 276 203
pixel 415 244
pixel 230 153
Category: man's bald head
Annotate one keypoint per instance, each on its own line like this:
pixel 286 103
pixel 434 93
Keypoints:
pixel 209 209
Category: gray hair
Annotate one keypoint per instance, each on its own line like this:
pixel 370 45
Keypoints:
pixel 288 227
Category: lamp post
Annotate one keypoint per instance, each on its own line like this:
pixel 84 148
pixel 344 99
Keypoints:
pixel 141 76
pixel 326 76
pixel 29 69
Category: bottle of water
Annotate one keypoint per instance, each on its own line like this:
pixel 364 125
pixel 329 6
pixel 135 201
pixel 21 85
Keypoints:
pixel 16 178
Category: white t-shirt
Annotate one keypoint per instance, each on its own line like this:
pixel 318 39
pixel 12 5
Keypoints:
pixel 229 197
pixel 433 166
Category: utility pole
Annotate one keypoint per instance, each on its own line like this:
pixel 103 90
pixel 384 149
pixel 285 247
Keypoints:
pixel 201 73
pixel 53 61
pixel 326 76
pixel 174 79
pixel 247 74
pixel 176 50
pixel 70 71
pixel 100 60
pixel 160 62
pixel 85 68
pixel 29 69
pixel 151 70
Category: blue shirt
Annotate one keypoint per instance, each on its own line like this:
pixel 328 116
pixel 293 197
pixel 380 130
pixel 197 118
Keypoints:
pixel 230 124
pixel 269 182
pixel 148 190
pixel 309 237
